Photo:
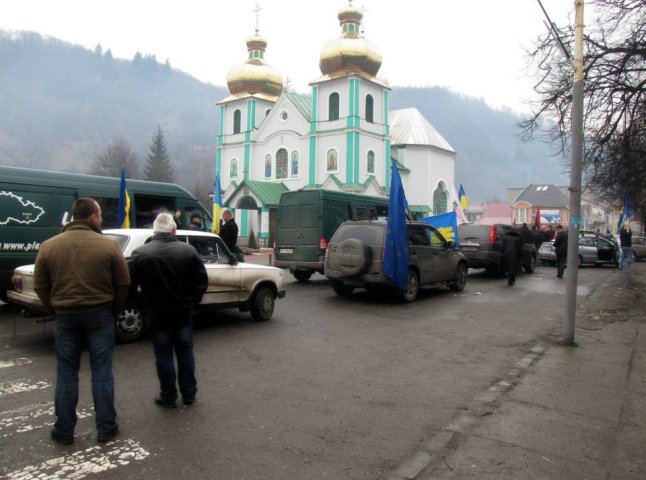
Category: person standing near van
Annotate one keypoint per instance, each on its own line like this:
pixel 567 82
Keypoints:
pixel 560 248
pixel 229 234
pixel 626 241
pixel 82 277
pixel 511 252
pixel 173 280
pixel 196 222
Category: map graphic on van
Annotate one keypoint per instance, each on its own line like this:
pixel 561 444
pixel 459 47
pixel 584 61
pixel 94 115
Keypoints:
pixel 18 210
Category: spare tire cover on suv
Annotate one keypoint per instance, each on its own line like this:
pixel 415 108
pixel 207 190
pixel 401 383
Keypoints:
pixel 353 257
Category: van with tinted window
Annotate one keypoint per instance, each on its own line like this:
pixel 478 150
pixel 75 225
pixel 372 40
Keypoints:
pixel 35 204
pixel 307 219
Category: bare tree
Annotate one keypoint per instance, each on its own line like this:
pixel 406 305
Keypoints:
pixel 614 93
pixel 109 162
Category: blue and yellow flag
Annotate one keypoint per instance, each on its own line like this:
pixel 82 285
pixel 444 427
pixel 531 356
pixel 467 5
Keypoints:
pixel 625 212
pixel 123 209
pixel 464 202
pixel 217 204
pixel 447 224
pixel 395 265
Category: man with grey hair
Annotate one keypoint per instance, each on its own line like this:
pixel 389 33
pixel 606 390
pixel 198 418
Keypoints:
pixel 172 279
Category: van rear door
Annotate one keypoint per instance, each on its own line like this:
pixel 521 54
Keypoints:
pixel 297 235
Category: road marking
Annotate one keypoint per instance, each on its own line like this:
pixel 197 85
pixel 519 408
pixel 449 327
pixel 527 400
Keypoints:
pixel 78 465
pixel 19 386
pixel 15 363
pixel 23 419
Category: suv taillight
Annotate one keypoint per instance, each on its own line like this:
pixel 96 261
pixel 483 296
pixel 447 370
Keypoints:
pixel 322 243
pixel 492 235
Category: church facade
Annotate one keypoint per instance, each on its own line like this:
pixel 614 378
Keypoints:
pixel 341 137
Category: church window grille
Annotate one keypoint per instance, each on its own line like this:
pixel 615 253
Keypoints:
pixel 282 161
pixel 371 162
pixel 237 121
pixel 370 109
pixel 439 199
pixel 333 107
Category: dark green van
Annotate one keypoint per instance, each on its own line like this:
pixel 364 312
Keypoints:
pixel 35 204
pixel 307 219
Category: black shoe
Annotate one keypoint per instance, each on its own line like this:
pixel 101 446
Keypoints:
pixel 107 436
pixel 165 403
pixel 188 400
pixel 62 439
pixel 560 276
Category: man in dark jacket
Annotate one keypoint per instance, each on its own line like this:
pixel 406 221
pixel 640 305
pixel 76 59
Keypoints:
pixel 511 252
pixel 172 279
pixel 81 277
pixel 229 234
pixel 626 241
pixel 560 247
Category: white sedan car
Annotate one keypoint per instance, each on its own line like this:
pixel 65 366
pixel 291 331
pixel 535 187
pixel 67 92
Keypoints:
pixel 232 284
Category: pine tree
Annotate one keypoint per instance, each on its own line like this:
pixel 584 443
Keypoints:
pixel 158 164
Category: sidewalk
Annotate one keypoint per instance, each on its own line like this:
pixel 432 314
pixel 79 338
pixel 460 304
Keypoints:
pixel 263 256
pixel 564 412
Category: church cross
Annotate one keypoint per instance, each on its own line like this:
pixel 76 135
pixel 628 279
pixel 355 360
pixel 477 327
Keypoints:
pixel 257 12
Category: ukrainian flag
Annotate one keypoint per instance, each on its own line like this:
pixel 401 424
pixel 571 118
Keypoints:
pixel 447 224
pixel 464 202
pixel 217 204
pixel 123 209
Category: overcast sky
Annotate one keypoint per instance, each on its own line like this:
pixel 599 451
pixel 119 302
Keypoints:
pixel 474 47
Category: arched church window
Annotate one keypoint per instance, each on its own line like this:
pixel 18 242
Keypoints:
pixel 233 168
pixel 333 107
pixel 332 160
pixel 295 163
pixel 370 109
pixel 281 163
pixel 237 120
pixel 371 162
pixel 439 199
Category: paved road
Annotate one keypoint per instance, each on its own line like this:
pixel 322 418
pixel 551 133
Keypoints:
pixel 331 387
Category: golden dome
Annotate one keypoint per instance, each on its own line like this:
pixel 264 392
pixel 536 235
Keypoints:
pixel 254 76
pixel 351 52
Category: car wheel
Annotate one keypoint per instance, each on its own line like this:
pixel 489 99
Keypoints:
pixel 460 279
pixel 130 324
pixel 412 288
pixel 353 257
pixel 532 264
pixel 342 290
pixel 262 304
pixel 303 275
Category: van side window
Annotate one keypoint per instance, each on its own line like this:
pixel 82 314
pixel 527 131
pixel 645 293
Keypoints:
pixel 108 211
pixel 148 207
pixel 336 214
pixel 363 213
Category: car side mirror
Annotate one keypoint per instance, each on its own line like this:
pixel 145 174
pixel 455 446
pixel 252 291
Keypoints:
pixel 233 260
pixel 450 244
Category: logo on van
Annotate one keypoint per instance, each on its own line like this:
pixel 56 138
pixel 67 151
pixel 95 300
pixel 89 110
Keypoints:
pixel 10 202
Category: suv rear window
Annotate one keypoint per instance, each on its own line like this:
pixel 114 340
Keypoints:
pixel 369 234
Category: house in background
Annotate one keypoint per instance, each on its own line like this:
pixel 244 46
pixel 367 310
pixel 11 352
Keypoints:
pixel 550 199
pixel 495 213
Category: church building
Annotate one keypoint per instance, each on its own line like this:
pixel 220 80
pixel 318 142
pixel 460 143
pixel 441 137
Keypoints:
pixel 342 137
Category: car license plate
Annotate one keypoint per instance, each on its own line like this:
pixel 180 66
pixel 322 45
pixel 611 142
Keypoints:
pixel 286 250
pixel 469 248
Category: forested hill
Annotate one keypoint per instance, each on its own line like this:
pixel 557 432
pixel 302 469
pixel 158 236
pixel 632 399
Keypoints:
pixel 62 105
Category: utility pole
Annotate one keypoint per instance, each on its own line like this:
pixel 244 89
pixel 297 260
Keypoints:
pixel 575 177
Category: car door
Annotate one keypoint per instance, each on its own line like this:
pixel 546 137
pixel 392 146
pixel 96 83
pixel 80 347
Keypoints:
pixel 442 256
pixel 420 253
pixel 587 249
pixel 225 282
pixel 606 250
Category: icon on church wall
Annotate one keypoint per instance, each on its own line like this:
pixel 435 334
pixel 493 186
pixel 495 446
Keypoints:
pixel 233 170
pixel 268 166
pixel 331 161
pixel 294 164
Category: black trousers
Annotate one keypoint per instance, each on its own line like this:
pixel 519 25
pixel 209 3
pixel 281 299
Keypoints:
pixel 561 258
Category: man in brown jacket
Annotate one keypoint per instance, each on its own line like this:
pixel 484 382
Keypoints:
pixel 82 278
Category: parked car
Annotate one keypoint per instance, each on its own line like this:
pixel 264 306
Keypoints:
pixel 354 259
pixel 245 286
pixel 482 245
pixel 593 250
pixel 639 248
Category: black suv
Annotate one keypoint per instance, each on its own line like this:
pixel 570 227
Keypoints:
pixel 482 244
pixel 354 259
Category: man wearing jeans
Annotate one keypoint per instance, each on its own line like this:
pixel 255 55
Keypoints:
pixel 626 240
pixel 172 279
pixel 82 277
